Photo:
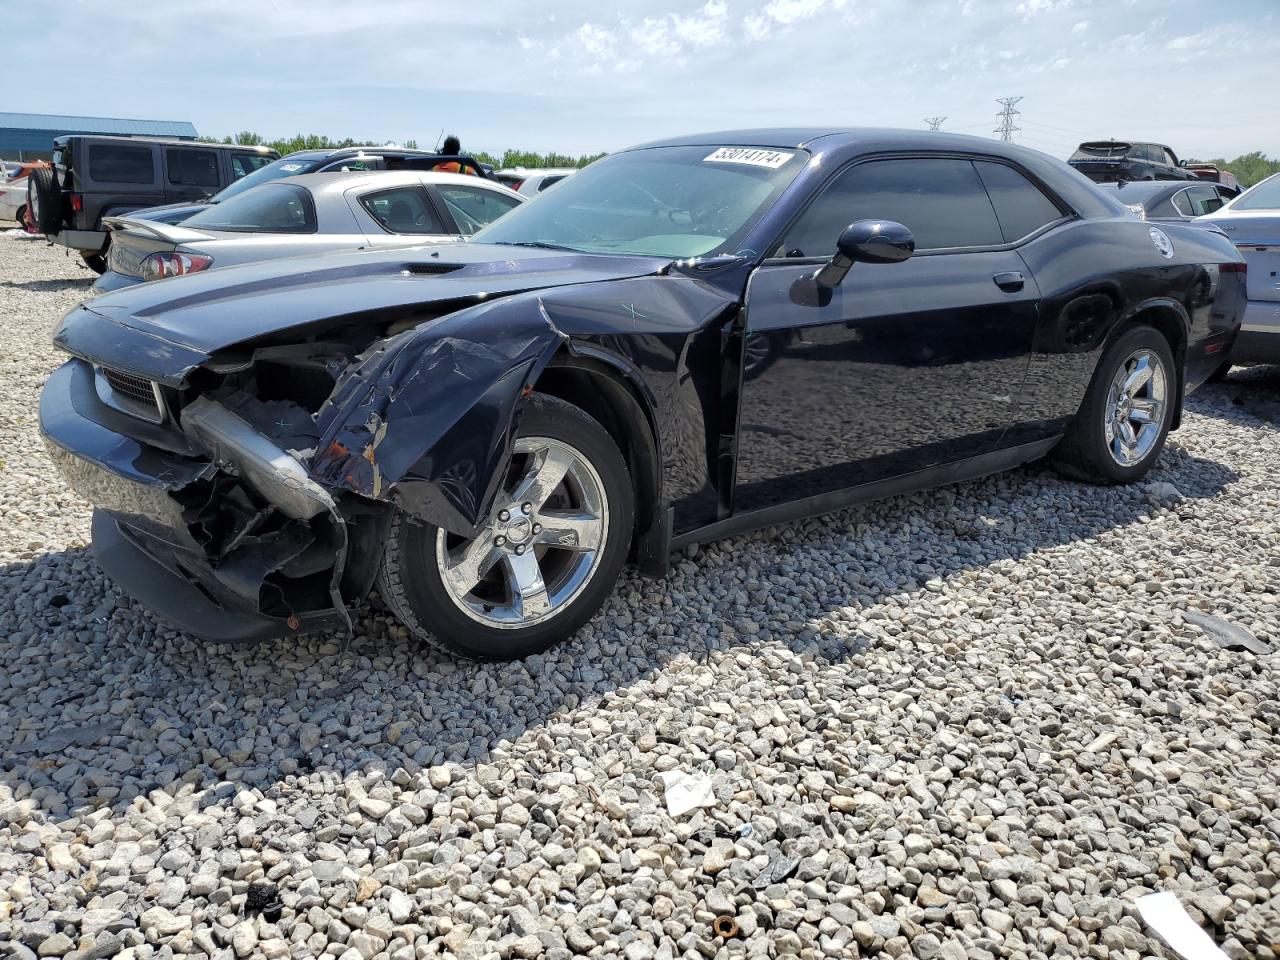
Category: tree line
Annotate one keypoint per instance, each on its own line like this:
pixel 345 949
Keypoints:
pixel 315 141
pixel 1249 168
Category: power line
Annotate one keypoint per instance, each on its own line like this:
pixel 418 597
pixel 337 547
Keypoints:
pixel 934 122
pixel 1007 129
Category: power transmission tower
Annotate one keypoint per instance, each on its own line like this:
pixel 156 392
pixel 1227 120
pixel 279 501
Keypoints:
pixel 934 122
pixel 1005 118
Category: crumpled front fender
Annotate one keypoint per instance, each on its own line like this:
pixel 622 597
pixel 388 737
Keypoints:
pixel 425 417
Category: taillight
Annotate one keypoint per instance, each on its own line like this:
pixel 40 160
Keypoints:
pixel 1234 267
pixel 77 202
pixel 516 185
pixel 159 266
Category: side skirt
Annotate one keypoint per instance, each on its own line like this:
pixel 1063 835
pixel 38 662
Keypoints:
pixel 960 470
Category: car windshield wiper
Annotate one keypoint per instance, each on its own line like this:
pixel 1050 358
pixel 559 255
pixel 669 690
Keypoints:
pixel 540 244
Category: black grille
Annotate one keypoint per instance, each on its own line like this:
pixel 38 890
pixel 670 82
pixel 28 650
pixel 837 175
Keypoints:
pixel 137 389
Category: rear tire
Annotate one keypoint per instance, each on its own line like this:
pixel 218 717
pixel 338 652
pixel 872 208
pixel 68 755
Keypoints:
pixel 531 577
pixel 21 217
pixel 97 262
pixel 1120 429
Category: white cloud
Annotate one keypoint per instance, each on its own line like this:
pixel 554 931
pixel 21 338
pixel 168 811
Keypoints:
pixel 596 42
pixel 705 28
pixel 1034 8
pixel 1080 26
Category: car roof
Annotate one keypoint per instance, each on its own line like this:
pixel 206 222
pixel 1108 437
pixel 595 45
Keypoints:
pixel 326 153
pixel 161 141
pixel 337 181
pixel 831 137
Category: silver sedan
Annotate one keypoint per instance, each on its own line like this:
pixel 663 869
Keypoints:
pixel 314 213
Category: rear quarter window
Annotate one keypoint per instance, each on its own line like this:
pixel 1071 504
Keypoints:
pixel 1021 207
pixel 270 208
pixel 121 163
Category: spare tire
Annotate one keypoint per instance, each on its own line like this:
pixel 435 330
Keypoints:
pixel 44 200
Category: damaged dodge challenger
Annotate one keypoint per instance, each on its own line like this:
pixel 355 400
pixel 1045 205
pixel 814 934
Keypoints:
pixel 686 340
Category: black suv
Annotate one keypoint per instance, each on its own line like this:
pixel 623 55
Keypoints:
pixel 1113 161
pixel 95 177
pixel 342 159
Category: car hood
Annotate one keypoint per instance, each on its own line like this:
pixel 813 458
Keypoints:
pixel 163 329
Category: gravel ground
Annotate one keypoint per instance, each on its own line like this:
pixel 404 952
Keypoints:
pixel 970 723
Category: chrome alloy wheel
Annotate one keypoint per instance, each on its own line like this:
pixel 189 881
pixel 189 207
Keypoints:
pixel 1134 412
pixel 542 544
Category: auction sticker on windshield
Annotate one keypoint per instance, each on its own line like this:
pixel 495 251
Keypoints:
pixel 772 159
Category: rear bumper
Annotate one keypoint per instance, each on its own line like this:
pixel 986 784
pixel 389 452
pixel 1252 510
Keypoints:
pixel 160 525
pixel 87 241
pixel 1259 339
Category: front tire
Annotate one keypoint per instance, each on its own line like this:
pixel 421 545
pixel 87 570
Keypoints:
pixel 1122 425
pixel 549 555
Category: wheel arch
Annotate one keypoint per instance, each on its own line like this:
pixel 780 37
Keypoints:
pixel 1170 320
pixel 606 387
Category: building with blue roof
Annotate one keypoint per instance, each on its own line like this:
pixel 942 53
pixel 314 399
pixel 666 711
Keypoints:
pixel 28 136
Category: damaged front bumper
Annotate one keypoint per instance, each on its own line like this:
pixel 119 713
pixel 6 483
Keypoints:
pixel 213 526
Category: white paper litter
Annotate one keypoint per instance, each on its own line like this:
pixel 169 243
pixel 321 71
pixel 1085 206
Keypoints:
pixel 1167 917
pixel 685 792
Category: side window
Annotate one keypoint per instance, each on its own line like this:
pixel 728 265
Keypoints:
pixel 548 182
pixel 941 201
pixel 402 210
pixel 1182 203
pixel 352 165
pixel 243 164
pixel 192 168
pixel 475 207
pixel 118 163
pixel 1149 152
pixel 1203 200
pixel 1021 207
pixel 1167 157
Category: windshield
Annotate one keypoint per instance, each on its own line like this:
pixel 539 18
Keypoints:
pixel 276 208
pixel 284 167
pixel 662 202
pixel 1263 196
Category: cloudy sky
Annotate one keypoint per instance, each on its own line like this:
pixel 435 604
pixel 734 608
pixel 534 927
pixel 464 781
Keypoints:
pixel 581 75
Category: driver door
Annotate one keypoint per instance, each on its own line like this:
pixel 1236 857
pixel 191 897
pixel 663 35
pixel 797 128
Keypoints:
pixel 902 366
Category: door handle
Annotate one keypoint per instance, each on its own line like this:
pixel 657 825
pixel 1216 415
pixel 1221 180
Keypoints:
pixel 1010 282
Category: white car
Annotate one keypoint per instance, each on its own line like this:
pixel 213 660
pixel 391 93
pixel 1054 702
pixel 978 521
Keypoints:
pixel 13 192
pixel 307 214
pixel 530 182
pixel 1252 222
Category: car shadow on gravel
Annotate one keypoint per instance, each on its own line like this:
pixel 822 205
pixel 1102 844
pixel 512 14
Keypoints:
pixel 1253 390
pixel 50 286
pixel 100 702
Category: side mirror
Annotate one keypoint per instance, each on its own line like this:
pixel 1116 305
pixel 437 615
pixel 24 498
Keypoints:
pixel 866 241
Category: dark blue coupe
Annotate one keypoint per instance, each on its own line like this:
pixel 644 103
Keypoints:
pixel 686 340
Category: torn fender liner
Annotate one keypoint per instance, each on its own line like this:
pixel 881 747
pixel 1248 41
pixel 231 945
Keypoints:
pixel 425 417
